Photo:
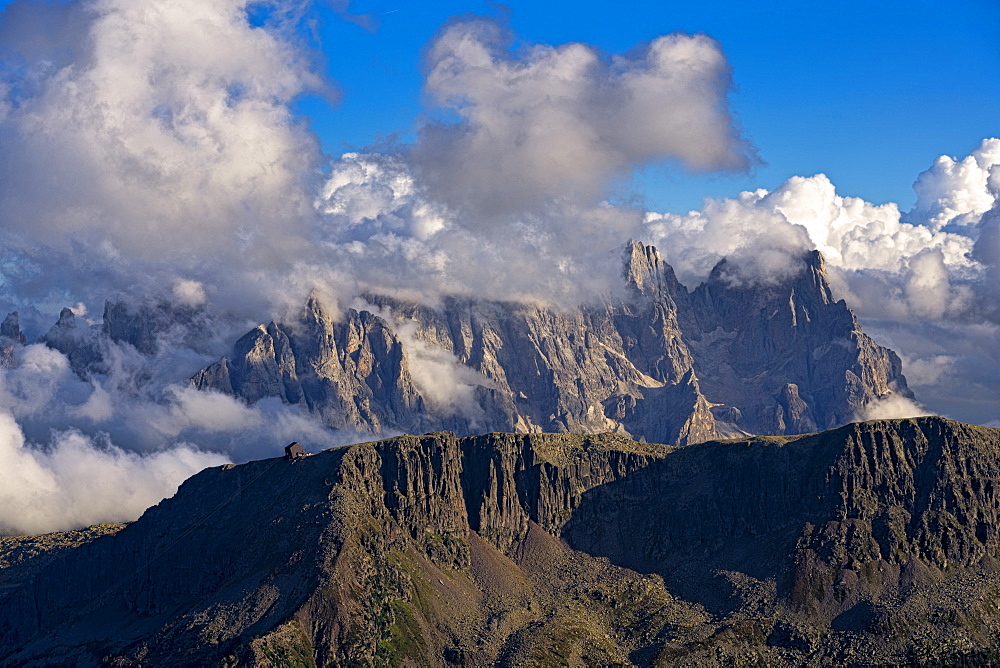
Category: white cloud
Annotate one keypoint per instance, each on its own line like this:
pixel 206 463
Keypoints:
pixel 442 380
pixel 802 213
pixel 501 194
pixel 928 288
pixel 99 406
pixel 367 194
pixel 541 122
pixel 957 192
pixel 42 376
pixel 885 263
pixel 74 481
pixel 383 224
pixel 891 407
pixel 164 144
pixel 189 293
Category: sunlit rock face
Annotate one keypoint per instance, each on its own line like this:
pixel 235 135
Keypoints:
pixel 659 363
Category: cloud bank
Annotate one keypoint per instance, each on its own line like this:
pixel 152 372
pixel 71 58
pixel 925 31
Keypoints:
pixel 77 481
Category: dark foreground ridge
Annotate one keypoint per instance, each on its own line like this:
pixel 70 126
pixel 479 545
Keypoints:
pixel 875 543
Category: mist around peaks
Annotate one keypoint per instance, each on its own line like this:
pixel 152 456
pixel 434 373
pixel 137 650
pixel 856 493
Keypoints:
pixel 153 157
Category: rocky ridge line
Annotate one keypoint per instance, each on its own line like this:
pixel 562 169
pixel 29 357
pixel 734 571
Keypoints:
pixel 663 364
pixel 852 545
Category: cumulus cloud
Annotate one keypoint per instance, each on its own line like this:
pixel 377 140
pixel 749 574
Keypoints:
pixel 151 139
pixel 955 192
pixel 502 193
pixel 382 222
pixel 539 122
pixel 189 293
pixel 152 147
pixel 883 262
pixel 368 194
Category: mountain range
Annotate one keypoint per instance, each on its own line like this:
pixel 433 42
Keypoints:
pixel 655 362
pixel 571 502
pixel 660 363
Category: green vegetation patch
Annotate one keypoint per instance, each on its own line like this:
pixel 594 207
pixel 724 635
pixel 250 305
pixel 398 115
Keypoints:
pixel 405 641
pixel 563 449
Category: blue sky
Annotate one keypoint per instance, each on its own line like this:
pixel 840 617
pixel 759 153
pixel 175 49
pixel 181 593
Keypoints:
pixel 868 93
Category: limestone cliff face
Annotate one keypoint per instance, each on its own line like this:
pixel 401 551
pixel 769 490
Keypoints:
pixel 241 550
pixel 356 373
pixel 791 358
pixel 850 546
pixel 661 364
pixel 10 337
pixel 144 327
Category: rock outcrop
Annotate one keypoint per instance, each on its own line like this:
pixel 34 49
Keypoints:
pixel 874 543
pixel 10 337
pixel 145 328
pixel 661 364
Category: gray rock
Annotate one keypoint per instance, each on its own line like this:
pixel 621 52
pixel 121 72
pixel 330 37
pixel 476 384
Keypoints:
pixel 661 363
pixel 10 328
pixel 10 338
pixel 78 342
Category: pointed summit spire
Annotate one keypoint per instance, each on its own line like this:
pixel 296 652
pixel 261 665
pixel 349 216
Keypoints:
pixel 11 329
pixel 645 270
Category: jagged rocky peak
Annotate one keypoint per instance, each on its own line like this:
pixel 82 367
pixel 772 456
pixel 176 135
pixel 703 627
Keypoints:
pixel 67 320
pixel 354 374
pixel 144 325
pixel 67 334
pixel 10 328
pixel 10 337
pixel 800 356
pixel 872 544
pixel 137 326
pixel 676 366
pixel 647 273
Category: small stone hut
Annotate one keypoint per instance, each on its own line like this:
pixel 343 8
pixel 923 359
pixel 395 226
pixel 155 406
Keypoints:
pixel 294 451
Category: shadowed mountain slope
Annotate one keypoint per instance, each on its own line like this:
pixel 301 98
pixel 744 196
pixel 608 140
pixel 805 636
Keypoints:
pixel 874 542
